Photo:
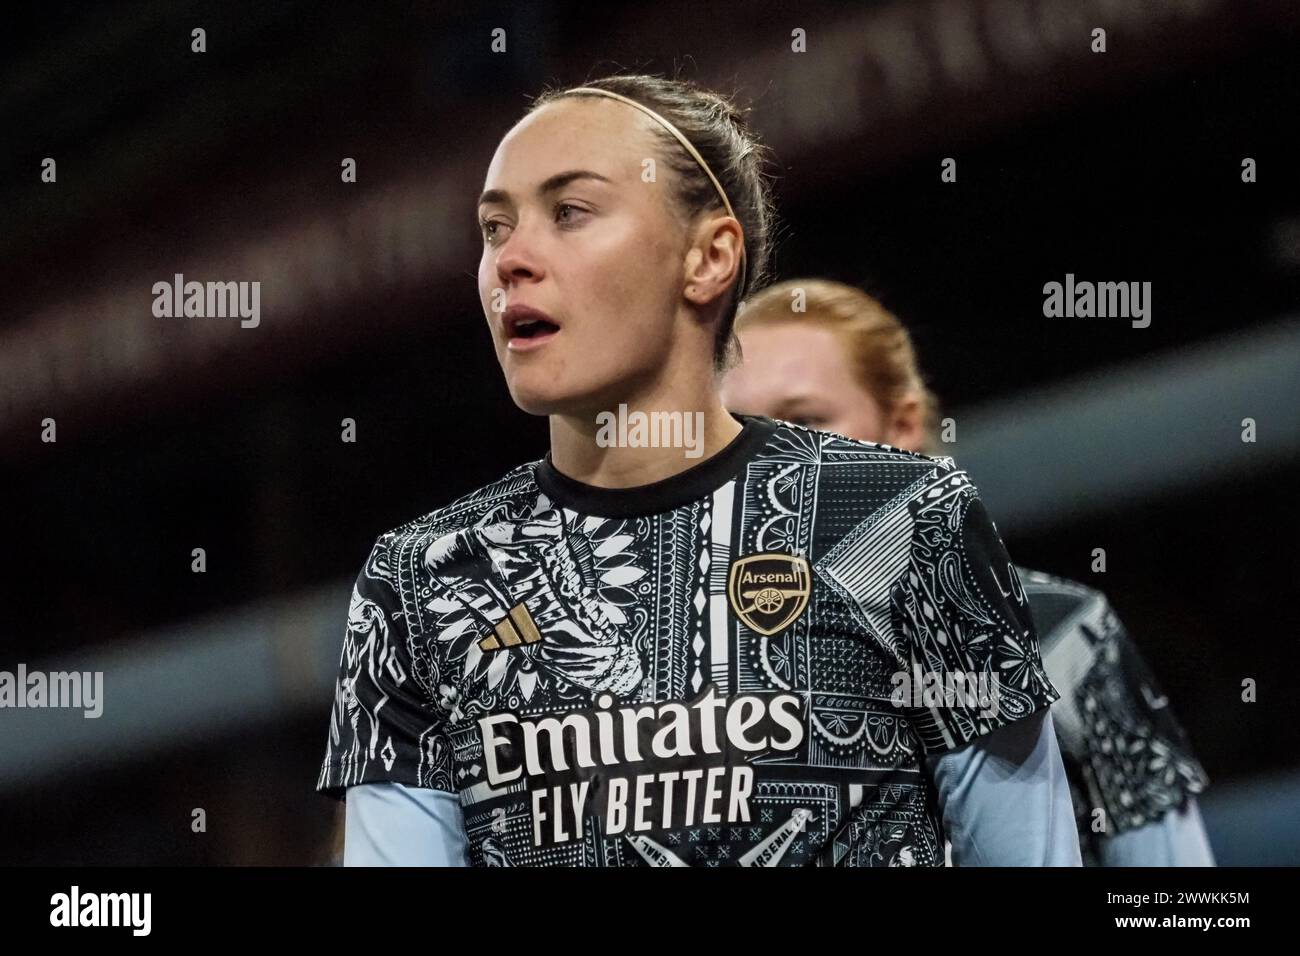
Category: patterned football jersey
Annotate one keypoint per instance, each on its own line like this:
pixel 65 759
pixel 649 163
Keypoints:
pixel 743 664
pixel 1124 751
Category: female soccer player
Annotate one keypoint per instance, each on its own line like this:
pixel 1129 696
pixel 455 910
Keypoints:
pixel 684 637
pixel 829 356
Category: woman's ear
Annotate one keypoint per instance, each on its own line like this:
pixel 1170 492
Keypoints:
pixel 713 259
pixel 905 427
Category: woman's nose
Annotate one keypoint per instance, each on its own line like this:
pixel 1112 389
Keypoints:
pixel 518 257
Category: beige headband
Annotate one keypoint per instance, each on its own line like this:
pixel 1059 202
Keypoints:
pixel 686 144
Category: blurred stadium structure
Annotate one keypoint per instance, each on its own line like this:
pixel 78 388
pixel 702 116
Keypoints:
pixel 225 165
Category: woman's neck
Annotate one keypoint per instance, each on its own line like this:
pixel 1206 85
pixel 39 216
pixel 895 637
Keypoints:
pixel 642 440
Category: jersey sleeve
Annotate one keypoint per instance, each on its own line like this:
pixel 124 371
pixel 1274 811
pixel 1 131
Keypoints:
pixel 390 824
pixel 1005 798
pixel 1176 839
pixel 1136 759
pixel 968 640
pixel 385 725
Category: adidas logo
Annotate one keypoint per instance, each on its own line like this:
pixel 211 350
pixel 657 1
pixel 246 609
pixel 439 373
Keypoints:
pixel 515 629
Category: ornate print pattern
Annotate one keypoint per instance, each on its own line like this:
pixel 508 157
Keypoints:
pixel 1124 750
pixel 592 691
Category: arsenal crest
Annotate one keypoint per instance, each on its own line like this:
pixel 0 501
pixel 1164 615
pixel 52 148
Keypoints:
pixel 768 591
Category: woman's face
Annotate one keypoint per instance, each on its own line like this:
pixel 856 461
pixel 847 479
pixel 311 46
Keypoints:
pixel 573 236
pixel 799 373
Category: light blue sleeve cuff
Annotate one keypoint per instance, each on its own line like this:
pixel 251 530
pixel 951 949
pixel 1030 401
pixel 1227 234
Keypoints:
pixel 1005 798
pixel 391 824
pixel 1176 839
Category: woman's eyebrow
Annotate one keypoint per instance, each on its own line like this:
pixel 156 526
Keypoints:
pixel 549 185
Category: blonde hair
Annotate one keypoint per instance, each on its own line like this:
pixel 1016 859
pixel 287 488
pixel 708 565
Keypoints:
pixel 878 348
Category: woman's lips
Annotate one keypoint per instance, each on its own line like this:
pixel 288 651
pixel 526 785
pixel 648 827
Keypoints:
pixel 523 343
pixel 527 328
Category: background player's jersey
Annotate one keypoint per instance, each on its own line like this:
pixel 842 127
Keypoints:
pixel 740 665
pixel 1124 751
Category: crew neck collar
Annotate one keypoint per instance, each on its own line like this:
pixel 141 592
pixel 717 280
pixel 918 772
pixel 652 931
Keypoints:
pixel 666 494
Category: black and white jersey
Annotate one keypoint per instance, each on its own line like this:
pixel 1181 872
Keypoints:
pixel 1128 759
pixel 743 664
